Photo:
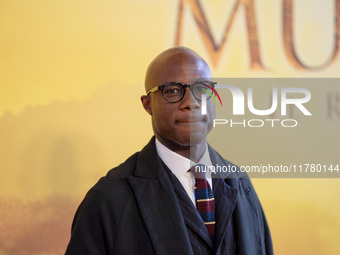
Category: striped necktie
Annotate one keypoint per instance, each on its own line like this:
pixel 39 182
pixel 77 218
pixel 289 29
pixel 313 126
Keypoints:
pixel 205 202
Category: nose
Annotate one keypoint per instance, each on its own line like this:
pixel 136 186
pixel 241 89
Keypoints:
pixel 189 102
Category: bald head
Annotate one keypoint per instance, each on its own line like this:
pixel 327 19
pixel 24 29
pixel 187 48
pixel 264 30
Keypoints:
pixel 171 63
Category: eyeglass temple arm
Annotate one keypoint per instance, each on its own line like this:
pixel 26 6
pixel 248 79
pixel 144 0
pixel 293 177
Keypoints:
pixel 153 90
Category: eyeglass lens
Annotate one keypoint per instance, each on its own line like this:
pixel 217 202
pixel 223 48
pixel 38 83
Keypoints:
pixel 174 92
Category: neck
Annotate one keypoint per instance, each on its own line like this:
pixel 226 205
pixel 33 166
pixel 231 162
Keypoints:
pixel 192 152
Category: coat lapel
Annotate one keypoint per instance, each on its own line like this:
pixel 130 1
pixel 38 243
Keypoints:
pixel 158 205
pixel 247 214
pixel 225 199
pixel 191 217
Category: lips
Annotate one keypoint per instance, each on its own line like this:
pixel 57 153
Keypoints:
pixel 190 119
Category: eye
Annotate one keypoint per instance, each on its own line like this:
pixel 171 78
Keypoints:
pixel 202 88
pixel 172 90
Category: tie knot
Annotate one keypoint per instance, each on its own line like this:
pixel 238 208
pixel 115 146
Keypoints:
pixel 198 171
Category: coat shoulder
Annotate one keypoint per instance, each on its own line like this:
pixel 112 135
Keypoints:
pixel 115 181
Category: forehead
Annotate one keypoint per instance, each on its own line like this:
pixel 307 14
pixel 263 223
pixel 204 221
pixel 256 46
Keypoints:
pixel 182 67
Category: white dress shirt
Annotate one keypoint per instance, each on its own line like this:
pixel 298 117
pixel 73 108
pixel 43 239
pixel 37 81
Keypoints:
pixel 180 165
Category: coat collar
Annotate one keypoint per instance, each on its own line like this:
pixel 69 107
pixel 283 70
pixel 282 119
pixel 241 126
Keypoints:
pixel 149 165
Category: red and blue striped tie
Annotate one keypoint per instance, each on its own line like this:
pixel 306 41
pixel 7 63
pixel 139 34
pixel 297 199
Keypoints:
pixel 205 202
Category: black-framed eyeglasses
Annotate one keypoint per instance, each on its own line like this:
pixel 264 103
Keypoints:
pixel 175 91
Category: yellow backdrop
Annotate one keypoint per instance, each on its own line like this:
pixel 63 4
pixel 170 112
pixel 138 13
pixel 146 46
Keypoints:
pixel 71 75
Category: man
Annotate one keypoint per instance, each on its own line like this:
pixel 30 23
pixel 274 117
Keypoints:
pixel 147 204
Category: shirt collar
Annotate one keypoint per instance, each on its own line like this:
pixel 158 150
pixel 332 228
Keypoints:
pixel 178 164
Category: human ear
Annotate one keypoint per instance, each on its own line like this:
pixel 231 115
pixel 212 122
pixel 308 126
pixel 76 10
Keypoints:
pixel 146 101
